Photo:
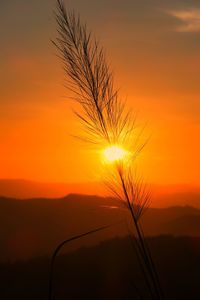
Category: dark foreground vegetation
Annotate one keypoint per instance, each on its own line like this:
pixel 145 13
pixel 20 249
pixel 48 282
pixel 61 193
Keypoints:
pixel 107 271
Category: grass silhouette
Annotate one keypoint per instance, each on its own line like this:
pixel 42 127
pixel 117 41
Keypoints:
pixel 106 122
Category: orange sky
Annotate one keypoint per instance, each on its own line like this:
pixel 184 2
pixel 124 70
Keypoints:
pixel 154 52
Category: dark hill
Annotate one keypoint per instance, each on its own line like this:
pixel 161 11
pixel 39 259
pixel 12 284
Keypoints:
pixel 34 227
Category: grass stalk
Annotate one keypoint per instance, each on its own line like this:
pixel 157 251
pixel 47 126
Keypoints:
pixel 104 118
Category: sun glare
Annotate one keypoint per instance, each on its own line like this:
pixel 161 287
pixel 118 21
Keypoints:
pixel 114 153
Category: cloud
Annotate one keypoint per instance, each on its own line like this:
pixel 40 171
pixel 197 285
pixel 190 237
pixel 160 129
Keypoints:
pixel 190 19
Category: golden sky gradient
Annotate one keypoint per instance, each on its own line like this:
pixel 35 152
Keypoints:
pixel 154 50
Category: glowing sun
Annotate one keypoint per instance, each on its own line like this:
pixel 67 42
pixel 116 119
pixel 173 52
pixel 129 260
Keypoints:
pixel 114 153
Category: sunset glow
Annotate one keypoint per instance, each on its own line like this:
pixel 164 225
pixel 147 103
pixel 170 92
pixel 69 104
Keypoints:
pixel 157 75
pixel 99 149
pixel 114 153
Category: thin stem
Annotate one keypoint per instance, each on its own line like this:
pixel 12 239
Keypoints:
pixel 142 247
pixel 136 248
pixel 58 248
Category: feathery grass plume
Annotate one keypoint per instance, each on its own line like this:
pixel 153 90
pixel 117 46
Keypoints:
pixel 105 119
pixel 129 188
pixel 91 80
